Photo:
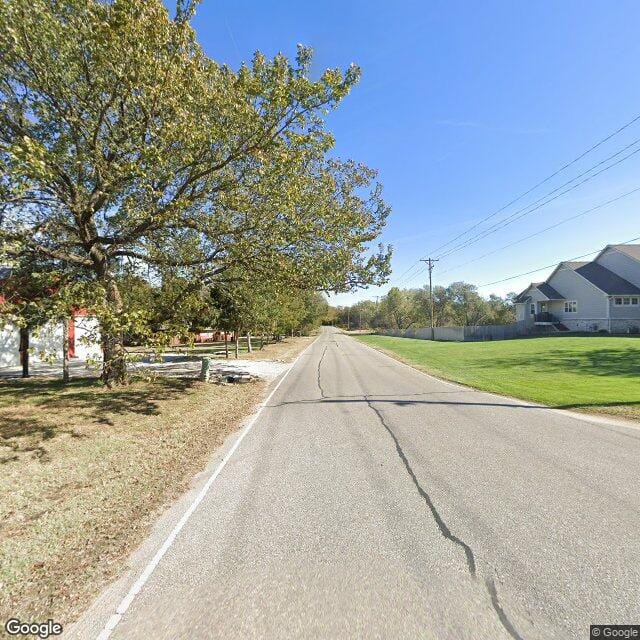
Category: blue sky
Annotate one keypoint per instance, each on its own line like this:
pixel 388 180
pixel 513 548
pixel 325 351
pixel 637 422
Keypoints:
pixel 462 107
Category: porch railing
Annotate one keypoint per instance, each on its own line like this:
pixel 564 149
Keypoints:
pixel 545 316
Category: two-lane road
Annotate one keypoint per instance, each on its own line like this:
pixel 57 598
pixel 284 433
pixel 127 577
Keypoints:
pixel 370 500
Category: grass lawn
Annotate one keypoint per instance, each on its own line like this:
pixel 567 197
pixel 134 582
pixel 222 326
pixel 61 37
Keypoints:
pixel 595 374
pixel 85 470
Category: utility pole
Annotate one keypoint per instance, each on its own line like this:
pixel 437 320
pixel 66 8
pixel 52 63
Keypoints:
pixel 430 263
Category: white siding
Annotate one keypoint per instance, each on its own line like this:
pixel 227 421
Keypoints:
pixel 87 338
pixel 537 296
pixel 592 303
pixel 46 342
pixel 628 311
pixel 523 309
pixel 9 346
pixel 621 264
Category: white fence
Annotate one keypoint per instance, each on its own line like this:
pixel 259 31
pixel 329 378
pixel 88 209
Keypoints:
pixel 462 334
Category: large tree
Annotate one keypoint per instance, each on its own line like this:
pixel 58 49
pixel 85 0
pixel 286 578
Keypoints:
pixel 121 140
pixel 399 308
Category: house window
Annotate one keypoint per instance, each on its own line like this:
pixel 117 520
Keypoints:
pixel 617 302
pixel 634 301
pixel 533 308
pixel 570 306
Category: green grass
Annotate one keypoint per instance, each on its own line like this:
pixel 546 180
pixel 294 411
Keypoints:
pixel 596 374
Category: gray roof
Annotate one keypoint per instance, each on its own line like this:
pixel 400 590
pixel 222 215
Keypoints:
pixel 632 250
pixel 548 291
pixel 605 280
pixel 5 272
pixel 521 297
pixel 545 289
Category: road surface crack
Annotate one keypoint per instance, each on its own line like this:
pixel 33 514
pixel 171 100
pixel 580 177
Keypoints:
pixel 322 393
pixel 506 623
pixel 442 525
pixel 445 531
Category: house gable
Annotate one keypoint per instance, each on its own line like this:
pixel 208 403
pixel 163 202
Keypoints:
pixel 622 260
pixel 538 291
pixel 592 302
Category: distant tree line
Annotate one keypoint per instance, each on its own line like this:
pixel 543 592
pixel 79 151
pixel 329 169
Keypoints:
pixel 458 304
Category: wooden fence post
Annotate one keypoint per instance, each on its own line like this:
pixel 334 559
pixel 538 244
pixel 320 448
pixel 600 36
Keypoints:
pixel 65 348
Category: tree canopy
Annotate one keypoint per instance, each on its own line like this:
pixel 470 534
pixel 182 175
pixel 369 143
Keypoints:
pixel 122 143
pixel 458 304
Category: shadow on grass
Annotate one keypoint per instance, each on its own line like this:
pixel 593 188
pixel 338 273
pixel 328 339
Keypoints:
pixel 50 406
pixel 622 363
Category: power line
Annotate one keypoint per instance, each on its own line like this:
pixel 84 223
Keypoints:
pixel 521 213
pixel 527 192
pixel 549 177
pixel 537 233
pixel 534 206
pixel 553 264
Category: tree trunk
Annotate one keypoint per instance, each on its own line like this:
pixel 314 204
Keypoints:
pixel 226 345
pixel 114 366
pixel 237 337
pixel 249 349
pixel 65 349
pixel 24 351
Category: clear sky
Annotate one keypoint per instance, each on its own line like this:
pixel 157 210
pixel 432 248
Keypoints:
pixel 462 107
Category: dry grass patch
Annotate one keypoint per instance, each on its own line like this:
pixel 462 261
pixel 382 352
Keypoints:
pixel 286 350
pixel 85 470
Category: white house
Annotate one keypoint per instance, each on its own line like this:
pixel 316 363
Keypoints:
pixel 601 295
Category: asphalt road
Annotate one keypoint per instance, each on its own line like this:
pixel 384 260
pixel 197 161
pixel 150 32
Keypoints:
pixel 371 501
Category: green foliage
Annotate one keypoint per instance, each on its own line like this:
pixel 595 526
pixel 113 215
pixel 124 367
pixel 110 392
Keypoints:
pixel 121 142
pixel 459 304
pixel 264 308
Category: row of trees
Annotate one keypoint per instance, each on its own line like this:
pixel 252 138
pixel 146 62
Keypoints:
pixel 157 188
pixel 458 304
pixel 171 310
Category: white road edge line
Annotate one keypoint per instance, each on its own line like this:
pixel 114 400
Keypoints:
pixel 584 417
pixel 114 620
